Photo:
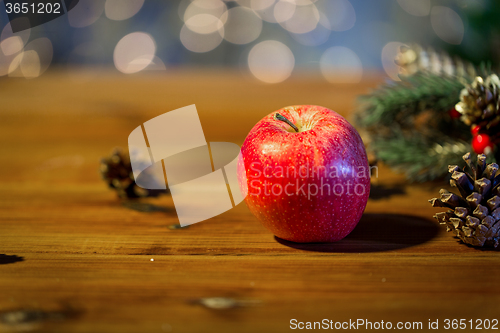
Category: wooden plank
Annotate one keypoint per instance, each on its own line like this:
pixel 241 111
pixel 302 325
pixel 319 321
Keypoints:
pixel 74 258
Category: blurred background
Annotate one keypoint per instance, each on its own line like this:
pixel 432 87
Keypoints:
pixel 340 40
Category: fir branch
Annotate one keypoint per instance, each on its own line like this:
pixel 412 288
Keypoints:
pixel 408 123
pixel 410 96
pixel 416 157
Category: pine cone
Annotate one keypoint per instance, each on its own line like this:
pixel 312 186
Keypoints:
pixel 116 171
pixel 475 215
pixel 414 58
pixel 480 103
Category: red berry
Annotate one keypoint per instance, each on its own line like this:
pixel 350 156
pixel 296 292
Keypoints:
pixel 454 113
pixel 475 130
pixel 482 143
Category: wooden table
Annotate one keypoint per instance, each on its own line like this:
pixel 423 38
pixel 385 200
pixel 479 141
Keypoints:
pixel 75 259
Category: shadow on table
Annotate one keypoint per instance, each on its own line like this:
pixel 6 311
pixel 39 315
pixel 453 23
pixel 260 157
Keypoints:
pixel 6 259
pixel 146 207
pixel 376 233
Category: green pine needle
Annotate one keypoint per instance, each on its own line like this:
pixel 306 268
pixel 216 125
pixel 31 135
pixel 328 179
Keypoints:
pixel 409 124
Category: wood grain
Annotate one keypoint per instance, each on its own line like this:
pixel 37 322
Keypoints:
pixel 75 259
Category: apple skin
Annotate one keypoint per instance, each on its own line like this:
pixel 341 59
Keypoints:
pixel 280 170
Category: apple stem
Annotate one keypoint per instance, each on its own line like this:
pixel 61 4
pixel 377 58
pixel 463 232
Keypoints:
pixel 278 116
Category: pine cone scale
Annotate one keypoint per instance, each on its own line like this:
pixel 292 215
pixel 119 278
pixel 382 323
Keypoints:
pixel 475 217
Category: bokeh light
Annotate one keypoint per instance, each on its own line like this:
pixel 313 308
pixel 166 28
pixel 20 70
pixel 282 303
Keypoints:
pixel 340 64
pixel 156 65
pixel 241 25
pixel 5 62
pixel 271 61
pixel 204 23
pixel 447 24
pixel 304 2
pixel 85 13
pixel 340 14
pixel 14 65
pixel 261 4
pixel 284 10
pixel 200 43
pixel 181 9
pixel 196 7
pixel 43 48
pixel 416 8
pixel 389 53
pixel 305 18
pixel 203 29
pixel 30 64
pixel 33 61
pixel 119 10
pixel 12 43
pixel 134 52
pixel 316 37
pixel 266 13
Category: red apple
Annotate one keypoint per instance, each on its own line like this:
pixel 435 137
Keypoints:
pixel 305 172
